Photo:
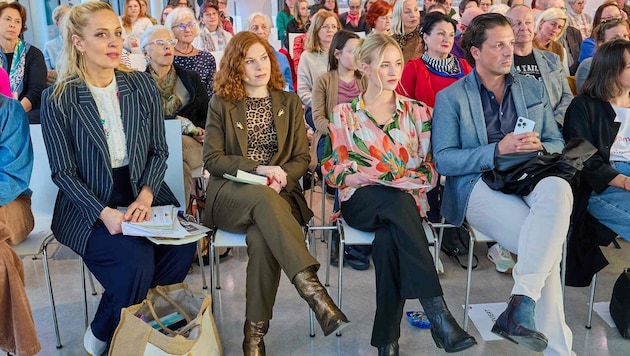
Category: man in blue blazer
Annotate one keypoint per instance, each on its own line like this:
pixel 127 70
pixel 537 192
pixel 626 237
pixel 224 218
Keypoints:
pixel 473 134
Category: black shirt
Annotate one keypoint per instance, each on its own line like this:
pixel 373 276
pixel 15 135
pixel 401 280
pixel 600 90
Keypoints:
pixel 527 66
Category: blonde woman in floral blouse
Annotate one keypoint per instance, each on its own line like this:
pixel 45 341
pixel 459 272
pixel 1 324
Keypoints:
pixel 380 159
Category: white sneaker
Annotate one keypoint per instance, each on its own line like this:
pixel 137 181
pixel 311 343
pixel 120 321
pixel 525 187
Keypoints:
pixel 501 257
pixel 92 344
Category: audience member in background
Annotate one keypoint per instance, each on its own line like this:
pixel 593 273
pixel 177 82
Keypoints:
pixel 330 5
pixel 570 39
pixel 212 37
pixel 601 115
pixel 499 9
pixel 249 95
pixel 299 44
pixel 512 3
pixel 299 23
pixel 466 4
pixel 424 77
pixel 448 6
pixel 24 63
pixel 144 11
pixel 260 24
pixel 367 4
pixel 182 22
pixel 541 65
pixel 550 25
pixel 5 84
pixel 226 18
pixel 470 14
pixel 167 10
pixel 580 19
pixel 400 129
pixel 623 7
pixel 133 25
pixel 109 153
pixel 437 8
pixel 180 3
pixel 342 83
pixel 379 17
pixel 17 329
pixel 354 19
pixel 182 93
pixel 472 134
pixel 426 4
pixel 314 61
pixel 405 28
pixel 284 17
pixel 52 48
pixel 606 32
pixel 485 5
pixel 605 12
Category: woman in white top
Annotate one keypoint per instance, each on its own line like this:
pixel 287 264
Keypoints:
pixel 133 25
pixel 212 36
pixel 314 60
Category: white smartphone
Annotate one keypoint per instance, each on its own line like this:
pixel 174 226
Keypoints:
pixel 523 125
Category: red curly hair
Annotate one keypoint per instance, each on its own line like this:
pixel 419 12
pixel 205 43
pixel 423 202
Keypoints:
pixel 228 82
pixel 378 9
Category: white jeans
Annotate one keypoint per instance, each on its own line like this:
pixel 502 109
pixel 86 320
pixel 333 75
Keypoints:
pixel 534 227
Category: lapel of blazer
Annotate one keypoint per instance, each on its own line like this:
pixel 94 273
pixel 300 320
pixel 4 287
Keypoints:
pixel 89 117
pixel 476 110
pixel 130 115
pixel 280 117
pixel 237 123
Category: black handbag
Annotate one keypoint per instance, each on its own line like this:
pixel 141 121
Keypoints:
pixel 522 178
pixel 455 243
pixel 620 304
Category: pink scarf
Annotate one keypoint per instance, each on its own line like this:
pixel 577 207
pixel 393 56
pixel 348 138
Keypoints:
pixel 354 19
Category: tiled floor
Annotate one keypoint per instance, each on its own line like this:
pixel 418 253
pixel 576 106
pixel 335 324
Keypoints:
pixel 288 334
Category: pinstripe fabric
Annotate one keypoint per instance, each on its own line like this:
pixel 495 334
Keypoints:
pixel 79 156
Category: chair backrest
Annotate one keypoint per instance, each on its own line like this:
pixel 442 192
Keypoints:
pixel 292 37
pixel 218 55
pixel 44 190
pixel 174 175
pixel 361 34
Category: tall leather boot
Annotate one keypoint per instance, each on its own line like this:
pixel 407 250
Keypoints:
pixel 446 333
pixel 389 350
pixel 516 324
pixel 329 316
pixel 253 344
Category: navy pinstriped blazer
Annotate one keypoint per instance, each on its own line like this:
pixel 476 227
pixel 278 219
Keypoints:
pixel 79 156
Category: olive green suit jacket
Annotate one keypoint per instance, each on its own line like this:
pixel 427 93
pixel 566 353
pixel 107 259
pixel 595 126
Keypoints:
pixel 225 148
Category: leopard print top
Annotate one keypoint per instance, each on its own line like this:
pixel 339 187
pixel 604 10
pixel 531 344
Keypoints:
pixel 262 138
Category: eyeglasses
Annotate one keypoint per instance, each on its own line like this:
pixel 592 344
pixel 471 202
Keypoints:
pixel 579 3
pixel 162 43
pixel 182 26
pixel 330 27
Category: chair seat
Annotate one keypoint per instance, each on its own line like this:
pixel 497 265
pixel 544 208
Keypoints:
pixel 481 237
pixel 34 243
pixel 223 238
pixel 354 236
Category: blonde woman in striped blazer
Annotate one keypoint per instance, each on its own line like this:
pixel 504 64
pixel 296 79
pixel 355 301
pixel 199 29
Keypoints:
pixel 104 133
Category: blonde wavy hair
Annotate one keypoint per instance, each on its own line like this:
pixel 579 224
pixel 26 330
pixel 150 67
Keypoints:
pixel 375 44
pixel 72 67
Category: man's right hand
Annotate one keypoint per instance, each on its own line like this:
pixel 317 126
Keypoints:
pixel 521 143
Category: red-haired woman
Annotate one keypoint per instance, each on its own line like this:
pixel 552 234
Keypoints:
pixel 379 17
pixel 255 126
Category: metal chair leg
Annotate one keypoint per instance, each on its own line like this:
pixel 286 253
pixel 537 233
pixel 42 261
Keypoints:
pixel 563 267
pixel 591 301
pixel 342 241
pixel 212 263
pixel 51 298
pixel 91 280
pixel 327 257
pixel 84 290
pixel 471 246
pixel 200 259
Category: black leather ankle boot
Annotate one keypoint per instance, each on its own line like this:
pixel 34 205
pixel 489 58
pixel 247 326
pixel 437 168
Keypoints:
pixel 329 316
pixel 446 333
pixel 254 331
pixel 389 350
pixel 516 324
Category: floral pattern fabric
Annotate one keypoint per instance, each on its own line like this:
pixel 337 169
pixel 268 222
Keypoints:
pixel 397 155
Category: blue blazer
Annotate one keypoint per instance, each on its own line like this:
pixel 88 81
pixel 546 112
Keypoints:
pixel 79 156
pixel 460 139
pixel 556 83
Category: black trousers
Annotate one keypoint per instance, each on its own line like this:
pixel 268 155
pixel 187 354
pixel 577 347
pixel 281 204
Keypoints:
pixel 404 266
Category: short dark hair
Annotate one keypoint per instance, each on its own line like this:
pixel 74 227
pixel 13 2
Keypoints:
pixel 433 18
pixel 19 8
pixel 338 43
pixel 476 35
pixel 599 32
pixel 608 63
pixel 463 3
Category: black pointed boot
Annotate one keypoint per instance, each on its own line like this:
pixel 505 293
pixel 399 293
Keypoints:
pixel 329 316
pixel 254 331
pixel 516 324
pixel 447 334
pixel 389 350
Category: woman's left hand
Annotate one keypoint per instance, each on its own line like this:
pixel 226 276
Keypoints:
pixel 140 209
pixel 201 136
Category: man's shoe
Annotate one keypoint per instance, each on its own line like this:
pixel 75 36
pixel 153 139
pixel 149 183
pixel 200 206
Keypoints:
pixel 93 345
pixel 516 324
pixel 501 257
pixel 389 350
pixel 446 333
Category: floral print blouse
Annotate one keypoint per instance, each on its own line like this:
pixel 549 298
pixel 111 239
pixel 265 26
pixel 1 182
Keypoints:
pixel 397 155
